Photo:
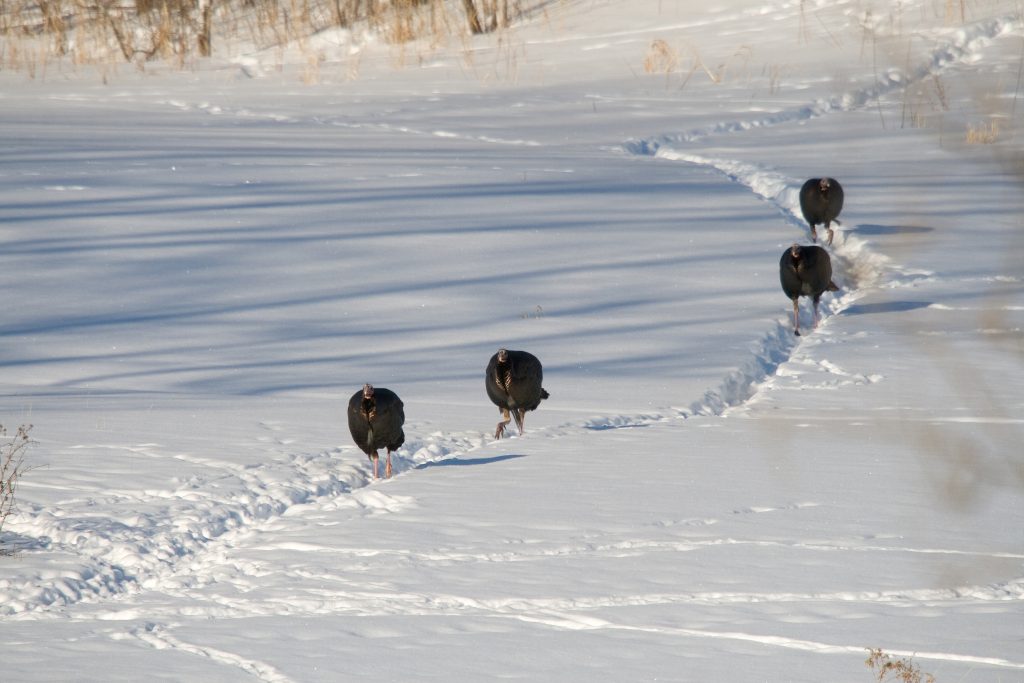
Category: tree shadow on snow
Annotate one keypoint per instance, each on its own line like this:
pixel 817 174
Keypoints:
pixel 889 229
pixel 461 462
pixel 609 426
pixel 886 307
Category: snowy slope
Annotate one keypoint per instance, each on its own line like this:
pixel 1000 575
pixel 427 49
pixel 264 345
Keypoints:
pixel 202 267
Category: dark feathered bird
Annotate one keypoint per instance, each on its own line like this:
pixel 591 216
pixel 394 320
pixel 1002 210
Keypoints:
pixel 375 418
pixel 513 382
pixel 821 200
pixel 805 271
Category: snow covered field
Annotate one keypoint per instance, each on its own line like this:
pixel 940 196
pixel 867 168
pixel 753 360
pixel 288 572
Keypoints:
pixel 200 267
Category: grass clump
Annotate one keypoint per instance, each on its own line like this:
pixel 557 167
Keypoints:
pixel 982 134
pixel 903 670
pixel 12 466
pixel 661 58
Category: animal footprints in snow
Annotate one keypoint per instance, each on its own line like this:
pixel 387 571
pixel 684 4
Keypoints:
pixel 690 522
pixel 622 422
pixel 275 430
pixel 159 637
pixel 801 369
pixel 376 502
pixel 757 510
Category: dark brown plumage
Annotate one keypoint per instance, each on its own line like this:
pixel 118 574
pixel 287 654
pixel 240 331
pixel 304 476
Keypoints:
pixel 821 200
pixel 513 380
pixel 805 271
pixel 375 418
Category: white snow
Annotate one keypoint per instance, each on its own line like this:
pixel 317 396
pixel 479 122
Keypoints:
pixel 201 266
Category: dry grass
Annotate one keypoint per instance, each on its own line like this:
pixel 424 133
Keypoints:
pixel 311 73
pixel 982 133
pixel 923 99
pixel 956 11
pixel 34 33
pixel 12 467
pixel 885 668
pixel 774 73
pixel 661 58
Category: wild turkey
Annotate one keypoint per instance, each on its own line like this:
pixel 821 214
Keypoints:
pixel 513 382
pixel 375 418
pixel 821 200
pixel 805 271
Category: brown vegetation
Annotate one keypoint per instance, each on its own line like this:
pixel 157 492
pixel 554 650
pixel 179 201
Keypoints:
pixel 12 466
pixel 34 32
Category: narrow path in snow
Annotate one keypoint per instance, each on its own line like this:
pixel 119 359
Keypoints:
pixel 858 267
pixel 208 512
pixel 157 637
pixel 217 510
pixel 965 43
pixel 578 622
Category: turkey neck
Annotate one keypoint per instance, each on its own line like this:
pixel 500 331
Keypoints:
pixel 370 409
pixel 503 375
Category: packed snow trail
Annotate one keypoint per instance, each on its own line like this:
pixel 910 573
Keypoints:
pixel 143 552
pixel 965 43
pixel 569 538
pixel 122 558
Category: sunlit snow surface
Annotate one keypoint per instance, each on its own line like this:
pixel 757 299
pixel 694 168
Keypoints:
pixel 200 267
